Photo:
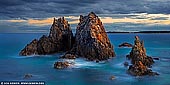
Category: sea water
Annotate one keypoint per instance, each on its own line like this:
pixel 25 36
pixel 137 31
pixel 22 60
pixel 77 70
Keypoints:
pixel 13 67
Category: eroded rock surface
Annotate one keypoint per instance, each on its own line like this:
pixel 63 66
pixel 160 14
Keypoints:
pixel 91 40
pixel 59 39
pixel 140 61
pixel 62 65
pixel 30 48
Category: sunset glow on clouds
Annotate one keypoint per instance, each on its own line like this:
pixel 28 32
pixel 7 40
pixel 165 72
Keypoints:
pixel 117 15
pixel 148 19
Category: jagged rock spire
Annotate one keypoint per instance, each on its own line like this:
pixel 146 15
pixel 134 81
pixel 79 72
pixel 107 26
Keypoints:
pixel 59 39
pixel 92 41
pixel 140 61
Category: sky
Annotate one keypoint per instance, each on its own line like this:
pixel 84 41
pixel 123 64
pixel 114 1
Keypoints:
pixel 120 15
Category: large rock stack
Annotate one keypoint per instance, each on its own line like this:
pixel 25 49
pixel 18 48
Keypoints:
pixel 91 40
pixel 140 61
pixel 59 39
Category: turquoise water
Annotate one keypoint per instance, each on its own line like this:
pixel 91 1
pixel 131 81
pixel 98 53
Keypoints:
pixel 14 67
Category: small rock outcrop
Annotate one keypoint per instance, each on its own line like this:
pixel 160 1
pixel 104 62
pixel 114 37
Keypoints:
pixel 68 56
pixel 126 64
pixel 140 61
pixel 125 44
pixel 112 77
pixel 60 39
pixel 62 65
pixel 27 76
pixel 91 40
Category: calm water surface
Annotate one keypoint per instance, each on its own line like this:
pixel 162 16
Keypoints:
pixel 14 67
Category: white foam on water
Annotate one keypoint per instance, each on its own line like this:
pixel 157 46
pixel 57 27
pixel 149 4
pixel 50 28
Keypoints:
pixel 81 63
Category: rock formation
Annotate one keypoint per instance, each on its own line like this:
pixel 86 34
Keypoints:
pixel 27 76
pixel 59 39
pixel 68 56
pixel 62 65
pixel 140 61
pixel 91 40
pixel 125 44
pixel 138 53
pixel 112 78
pixel 30 49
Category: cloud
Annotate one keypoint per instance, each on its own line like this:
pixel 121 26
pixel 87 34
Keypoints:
pixel 116 22
pixel 51 8
pixel 16 20
pixel 47 21
pixel 147 19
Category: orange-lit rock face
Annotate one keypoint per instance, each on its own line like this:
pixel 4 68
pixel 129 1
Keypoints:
pixel 91 39
pixel 140 61
pixel 141 66
pixel 59 39
pixel 138 52
pixel 99 37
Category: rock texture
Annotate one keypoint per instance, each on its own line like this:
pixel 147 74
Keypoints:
pixel 138 53
pixel 140 61
pixel 68 56
pixel 30 48
pixel 62 65
pixel 91 40
pixel 60 39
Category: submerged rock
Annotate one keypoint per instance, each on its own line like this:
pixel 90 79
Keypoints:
pixel 112 77
pixel 126 64
pixel 91 40
pixel 156 58
pixel 27 76
pixel 125 45
pixel 140 61
pixel 59 39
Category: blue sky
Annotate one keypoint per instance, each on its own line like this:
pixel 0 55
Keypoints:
pixel 120 15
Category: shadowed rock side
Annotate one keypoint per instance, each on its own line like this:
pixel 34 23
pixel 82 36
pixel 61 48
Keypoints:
pixel 140 61
pixel 59 39
pixel 91 40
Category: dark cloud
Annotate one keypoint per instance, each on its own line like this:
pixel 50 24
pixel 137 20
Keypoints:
pixel 50 8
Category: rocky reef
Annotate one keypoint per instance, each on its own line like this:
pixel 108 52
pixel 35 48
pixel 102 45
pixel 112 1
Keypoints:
pixel 91 40
pixel 140 61
pixel 59 39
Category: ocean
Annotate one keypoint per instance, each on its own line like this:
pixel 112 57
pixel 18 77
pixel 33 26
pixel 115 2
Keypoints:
pixel 13 67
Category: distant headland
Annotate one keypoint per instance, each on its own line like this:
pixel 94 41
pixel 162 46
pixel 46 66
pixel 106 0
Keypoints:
pixel 140 32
